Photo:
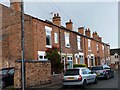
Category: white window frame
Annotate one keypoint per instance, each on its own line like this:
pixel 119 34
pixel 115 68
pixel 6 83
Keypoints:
pixel 79 42
pixel 56 37
pixel 89 45
pixel 81 56
pixel 48 32
pixel 103 48
pixel 97 46
pixel 67 40
pixel 108 50
pixel 43 54
pixel 70 60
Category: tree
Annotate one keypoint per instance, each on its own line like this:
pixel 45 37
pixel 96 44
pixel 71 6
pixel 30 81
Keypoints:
pixel 53 55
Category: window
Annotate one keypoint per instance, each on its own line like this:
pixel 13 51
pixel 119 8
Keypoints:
pixel 81 59
pixel 11 71
pixel 70 62
pixel 108 50
pixel 89 44
pixel 103 48
pixel 48 37
pixel 41 55
pixel 72 72
pixel 56 37
pixel 88 71
pixel 84 71
pixel 67 42
pixel 92 60
pixel 116 56
pixel 97 47
pixel 78 42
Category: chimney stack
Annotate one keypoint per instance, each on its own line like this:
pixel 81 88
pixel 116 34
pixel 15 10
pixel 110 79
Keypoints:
pixel 69 25
pixel 87 32
pixel 81 30
pixel 100 39
pixel 15 5
pixel 95 35
pixel 56 19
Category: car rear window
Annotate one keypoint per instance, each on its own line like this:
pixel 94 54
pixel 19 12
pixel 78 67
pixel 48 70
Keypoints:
pixel 72 72
pixel 97 68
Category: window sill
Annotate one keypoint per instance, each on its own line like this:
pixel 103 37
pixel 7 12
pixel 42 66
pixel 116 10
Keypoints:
pixel 48 46
pixel 67 46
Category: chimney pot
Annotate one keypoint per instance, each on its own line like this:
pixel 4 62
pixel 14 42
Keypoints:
pixel 57 19
pixel 87 32
pixel 57 14
pixel 54 15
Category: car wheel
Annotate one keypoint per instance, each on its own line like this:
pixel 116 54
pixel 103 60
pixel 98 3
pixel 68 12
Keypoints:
pixel 107 76
pixel 112 75
pixel 3 84
pixel 95 82
pixel 84 84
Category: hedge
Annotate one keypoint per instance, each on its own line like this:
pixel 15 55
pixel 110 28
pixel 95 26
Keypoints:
pixel 79 65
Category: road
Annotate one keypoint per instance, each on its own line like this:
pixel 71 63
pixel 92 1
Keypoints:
pixel 110 84
pixel 102 83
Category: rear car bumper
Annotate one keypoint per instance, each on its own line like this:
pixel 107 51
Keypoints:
pixel 102 76
pixel 76 82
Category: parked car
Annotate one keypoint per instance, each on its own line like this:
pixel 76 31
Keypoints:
pixel 7 76
pixel 79 76
pixel 103 71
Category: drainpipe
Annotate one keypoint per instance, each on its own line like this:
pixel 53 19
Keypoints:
pixel 22 45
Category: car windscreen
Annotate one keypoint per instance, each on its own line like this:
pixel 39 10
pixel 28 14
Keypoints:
pixel 97 68
pixel 72 72
pixel 4 72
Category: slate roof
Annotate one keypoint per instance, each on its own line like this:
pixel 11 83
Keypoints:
pixel 113 51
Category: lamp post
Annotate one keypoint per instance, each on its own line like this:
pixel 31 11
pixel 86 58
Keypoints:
pixel 22 45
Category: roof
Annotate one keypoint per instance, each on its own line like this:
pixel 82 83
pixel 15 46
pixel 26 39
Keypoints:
pixel 113 51
pixel 61 27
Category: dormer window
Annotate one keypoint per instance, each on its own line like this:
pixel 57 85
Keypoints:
pixel 116 55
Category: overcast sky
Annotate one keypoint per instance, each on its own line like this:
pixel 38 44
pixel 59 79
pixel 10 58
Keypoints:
pixel 98 15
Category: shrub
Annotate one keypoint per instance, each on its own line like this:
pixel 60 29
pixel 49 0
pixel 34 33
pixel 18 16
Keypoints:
pixel 55 59
pixel 79 65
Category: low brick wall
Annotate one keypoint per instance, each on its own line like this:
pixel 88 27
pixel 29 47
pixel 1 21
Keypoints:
pixel 36 72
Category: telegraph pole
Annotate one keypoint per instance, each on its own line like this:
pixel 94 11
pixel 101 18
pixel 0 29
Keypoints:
pixel 22 45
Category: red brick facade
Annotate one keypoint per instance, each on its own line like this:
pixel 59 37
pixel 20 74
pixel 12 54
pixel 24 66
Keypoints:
pixel 35 40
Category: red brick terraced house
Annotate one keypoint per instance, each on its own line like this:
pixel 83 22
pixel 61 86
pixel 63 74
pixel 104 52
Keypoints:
pixel 80 47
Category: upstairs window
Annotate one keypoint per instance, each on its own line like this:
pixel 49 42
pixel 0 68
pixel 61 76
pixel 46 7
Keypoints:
pixel 97 47
pixel 89 45
pixel 67 41
pixel 48 37
pixel 108 50
pixel 103 48
pixel 79 42
pixel 56 37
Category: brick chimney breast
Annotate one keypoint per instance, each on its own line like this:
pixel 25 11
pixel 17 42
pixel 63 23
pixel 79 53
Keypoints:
pixel 88 32
pixel 100 39
pixel 15 5
pixel 81 30
pixel 69 25
pixel 56 19
pixel 95 35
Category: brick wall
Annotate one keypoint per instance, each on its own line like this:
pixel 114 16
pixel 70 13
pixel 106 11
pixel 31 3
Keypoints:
pixel 0 35
pixel 36 72
pixel 11 37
